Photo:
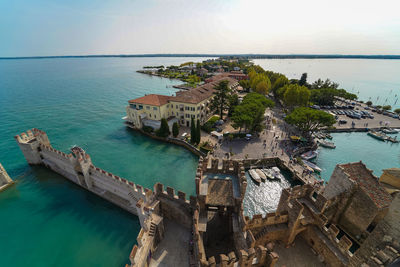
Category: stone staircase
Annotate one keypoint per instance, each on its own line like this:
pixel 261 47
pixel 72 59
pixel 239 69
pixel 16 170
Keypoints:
pixel 270 228
pixel 132 196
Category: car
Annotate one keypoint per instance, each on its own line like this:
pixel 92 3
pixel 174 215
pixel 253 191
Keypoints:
pixel 342 121
pixel 367 108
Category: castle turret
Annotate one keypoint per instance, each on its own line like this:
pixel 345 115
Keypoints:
pixel 29 144
pixel 5 179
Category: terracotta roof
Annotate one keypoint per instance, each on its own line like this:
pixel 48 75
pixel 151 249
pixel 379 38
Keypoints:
pixel 153 99
pixel 393 171
pixel 359 173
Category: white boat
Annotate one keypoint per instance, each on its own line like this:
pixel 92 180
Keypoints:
pixel 261 174
pixel 309 155
pixel 326 144
pixel 254 176
pixel 269 174
pixel 390 131
pixel 312 166
pixel 277 173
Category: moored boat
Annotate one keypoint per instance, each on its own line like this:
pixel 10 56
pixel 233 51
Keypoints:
pixel 312 166
pixel 277 173
pixel 309 155
pixel 326 144
pixel 268 173
pixel 390 131
pixel 261 174
pixel 377 135
pixel 253 174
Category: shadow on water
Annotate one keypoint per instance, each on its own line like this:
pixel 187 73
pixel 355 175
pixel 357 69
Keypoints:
pixel 68 198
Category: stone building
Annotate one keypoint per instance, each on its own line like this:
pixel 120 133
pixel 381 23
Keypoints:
pixel 390 179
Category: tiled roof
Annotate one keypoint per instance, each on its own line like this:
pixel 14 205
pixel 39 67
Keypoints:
pixel 154 100
pixel 393 171
pixel 359 173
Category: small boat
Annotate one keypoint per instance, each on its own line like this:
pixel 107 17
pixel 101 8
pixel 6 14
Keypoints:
pixel 277 173
pixel 377 135
pixel 261 174
pixel 326 144
pixel 390 131
pixel 309 155
pixel 328 136
pixel 295 138
pixel 254 176
pixel 393 140
pixel 269 174
pixel 313 166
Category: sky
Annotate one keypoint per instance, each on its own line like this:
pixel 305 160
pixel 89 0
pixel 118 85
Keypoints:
pixel 89 27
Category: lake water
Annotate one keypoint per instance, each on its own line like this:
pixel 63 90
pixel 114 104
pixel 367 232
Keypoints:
pixel 48 221
pixel 371 79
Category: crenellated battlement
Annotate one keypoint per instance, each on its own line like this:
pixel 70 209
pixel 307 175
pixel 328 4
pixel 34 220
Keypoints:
pixel 5 179
pixel 269 219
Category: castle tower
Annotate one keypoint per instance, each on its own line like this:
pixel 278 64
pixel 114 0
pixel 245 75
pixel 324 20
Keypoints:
pixel 83 165
pixel 29 144
pixel 5 179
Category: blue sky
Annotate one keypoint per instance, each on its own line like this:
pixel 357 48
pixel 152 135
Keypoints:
pixel 56 27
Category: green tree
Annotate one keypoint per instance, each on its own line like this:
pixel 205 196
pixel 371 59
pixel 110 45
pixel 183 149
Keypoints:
pixel 323 96
pixel 397 110
pixel 309 120
pixel 219 102
pixel 263 87
pixel 303 80
pixel 387 107
pixel 193 137
pixel 175 129
pixel 233 101
pixel 164 129
pixel 198 132
pixel 280 82
pixel 296 95
pixel 245 84
pixel 369 103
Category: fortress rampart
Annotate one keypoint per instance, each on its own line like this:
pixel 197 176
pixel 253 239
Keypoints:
pixel 78 168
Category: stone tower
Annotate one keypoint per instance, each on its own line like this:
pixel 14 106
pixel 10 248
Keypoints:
pixel 29 144
pixel 5 179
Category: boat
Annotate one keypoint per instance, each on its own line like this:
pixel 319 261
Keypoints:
pixel 261 174
pixel 269 174
pixel 312 166
pixel 390 131
pixel 393 140
pixel 277 173
pixel 253 174
pixel 326 144
pixel 295 138
pixel 328 136
pixel 309 155
pixel 377 135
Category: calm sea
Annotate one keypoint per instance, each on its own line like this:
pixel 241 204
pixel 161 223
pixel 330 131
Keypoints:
pixel 48 221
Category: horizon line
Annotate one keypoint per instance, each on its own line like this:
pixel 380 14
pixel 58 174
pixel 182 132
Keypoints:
pixel 247 55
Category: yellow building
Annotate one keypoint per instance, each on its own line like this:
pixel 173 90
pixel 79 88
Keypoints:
pixel 185 105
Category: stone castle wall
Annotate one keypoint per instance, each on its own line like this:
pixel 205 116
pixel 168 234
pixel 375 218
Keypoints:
pixel 78 168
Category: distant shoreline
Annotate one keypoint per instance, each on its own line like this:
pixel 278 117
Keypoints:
pixel 248 56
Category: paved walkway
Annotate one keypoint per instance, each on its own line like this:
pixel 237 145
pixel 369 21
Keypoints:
pixel 300 255
pixel 272 142
pixel 173 250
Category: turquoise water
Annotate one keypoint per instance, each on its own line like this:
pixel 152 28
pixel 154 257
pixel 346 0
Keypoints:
pixel 352 147
pixel 48 221
pixel 372 79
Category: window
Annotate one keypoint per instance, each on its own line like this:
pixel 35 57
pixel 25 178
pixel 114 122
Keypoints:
pixel 198 108
pixel 193 109
pixel 167 105
pixel 147 107
pixel 133 106
pixel 193 116
pixel 155 117
pixel 140 107
pixel 186 108
pixel 154 108
pixel 176 106
pixel 197 115
pixel 150 115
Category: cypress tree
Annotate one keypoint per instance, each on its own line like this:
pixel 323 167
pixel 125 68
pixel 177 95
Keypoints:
pixel 198 133
pixel 175 129
pixel 164 128
pixel 193 137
